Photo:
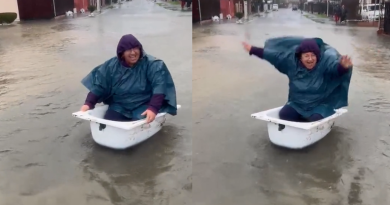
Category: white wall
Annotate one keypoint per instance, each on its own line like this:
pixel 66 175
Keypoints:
pixel 9 6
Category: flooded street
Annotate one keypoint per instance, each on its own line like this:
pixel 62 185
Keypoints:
pixel 233 159
pixel 48 157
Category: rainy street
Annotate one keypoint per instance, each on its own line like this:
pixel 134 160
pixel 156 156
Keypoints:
pixel 48 157
pixel 233 159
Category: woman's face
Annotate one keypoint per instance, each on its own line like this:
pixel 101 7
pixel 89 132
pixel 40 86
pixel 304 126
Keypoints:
pixel 132 56
pixel 309 60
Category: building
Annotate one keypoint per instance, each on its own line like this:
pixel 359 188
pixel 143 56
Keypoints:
pixel 81 4
pixel 44 9
pixel 204 10
pixel 9 6
pixel 234 6
pixel 227 7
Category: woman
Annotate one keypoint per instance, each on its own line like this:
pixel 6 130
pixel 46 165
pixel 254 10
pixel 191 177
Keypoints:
pixel 134 85
pixel 189 4
pixel 337 13
pixel 343 13
pixel 318 76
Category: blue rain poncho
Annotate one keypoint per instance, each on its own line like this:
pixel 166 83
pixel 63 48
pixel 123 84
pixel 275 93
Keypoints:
pixel 320 90
pixel 126 89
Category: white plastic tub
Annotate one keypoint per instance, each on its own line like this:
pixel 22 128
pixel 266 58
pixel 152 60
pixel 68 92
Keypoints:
pixel 296 135
pixel 120 135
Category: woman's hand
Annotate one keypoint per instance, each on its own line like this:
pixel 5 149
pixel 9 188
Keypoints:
pixel 247 46
pixel 346 62
pixel 84 108
pixel 150 116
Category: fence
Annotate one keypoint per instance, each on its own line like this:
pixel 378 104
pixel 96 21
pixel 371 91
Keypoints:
pixel 102 2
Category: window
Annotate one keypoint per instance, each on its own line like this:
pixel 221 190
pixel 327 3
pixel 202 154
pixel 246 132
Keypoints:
pixel 373 8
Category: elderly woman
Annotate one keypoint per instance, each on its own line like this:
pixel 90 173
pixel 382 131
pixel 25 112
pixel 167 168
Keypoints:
pixel 134 85
pixel 319 76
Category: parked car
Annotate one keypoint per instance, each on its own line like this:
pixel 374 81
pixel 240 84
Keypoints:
pixel 275 7
pixel 295 8
pixel 372 11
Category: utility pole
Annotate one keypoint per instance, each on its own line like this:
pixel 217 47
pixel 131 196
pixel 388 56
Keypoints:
pixel 54 7
pixel 380 15
pixel 98 6
pixel 327 8
pixel 245 10
pixel 200 13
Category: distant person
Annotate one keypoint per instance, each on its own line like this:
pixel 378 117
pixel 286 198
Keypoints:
pixel 133 84
pixel 189 4
pixel 319 76
pixel 337 13
pixel 344 13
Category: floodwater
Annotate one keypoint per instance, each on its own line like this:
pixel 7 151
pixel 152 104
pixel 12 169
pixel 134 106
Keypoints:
pixel 233 159
pixel 46 156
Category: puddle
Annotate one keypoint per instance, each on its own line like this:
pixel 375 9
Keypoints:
pixel 66 27
pixel 208 49
pixel 172 7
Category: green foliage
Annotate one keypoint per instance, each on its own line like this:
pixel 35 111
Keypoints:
pixel 8 17
pixel 91 8
pixel 239 15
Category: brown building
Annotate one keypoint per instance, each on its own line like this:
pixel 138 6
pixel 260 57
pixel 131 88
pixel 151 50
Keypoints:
pixel 203 10
pixel 43 9
pixel 233 6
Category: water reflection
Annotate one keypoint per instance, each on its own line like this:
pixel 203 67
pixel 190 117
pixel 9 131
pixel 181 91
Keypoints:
pixel 133 171
pixel 373 54
pixel 312 174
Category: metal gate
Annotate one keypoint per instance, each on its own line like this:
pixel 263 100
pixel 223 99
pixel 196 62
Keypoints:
pixel 62 6
pixel 226 7
pixel 209 8
pixel 195 12
pixel 386 22
pixel 37 9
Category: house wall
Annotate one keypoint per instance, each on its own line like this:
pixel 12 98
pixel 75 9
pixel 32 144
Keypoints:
pixel 9 6
pixel 209 8
pixel 81 4
pixel 227 7
pixel 37 9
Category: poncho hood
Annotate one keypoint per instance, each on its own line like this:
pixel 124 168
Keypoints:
pixel 128 42
pixel 309 45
